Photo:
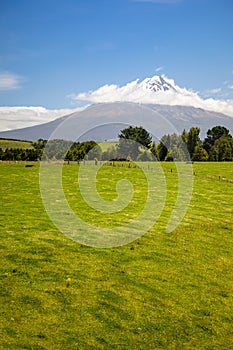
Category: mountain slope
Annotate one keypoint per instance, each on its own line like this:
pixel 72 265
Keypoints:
pixel 102 122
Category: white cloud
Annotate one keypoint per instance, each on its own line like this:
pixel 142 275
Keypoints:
pixel 159 69
pixel 21 117
pixel 230 86
pixel 213 91
pixel 9 81
pixel 136 91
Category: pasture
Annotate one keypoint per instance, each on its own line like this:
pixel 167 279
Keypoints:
pixel 105 146
pixel 4 143
pixel 162 291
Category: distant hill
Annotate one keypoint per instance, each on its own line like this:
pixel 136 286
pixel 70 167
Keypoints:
pixel 101 122
pixel 6 143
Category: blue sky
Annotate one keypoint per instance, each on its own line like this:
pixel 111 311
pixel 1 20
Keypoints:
pixel 51 49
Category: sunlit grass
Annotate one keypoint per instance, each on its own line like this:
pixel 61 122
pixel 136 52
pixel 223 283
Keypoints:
pixel 15 144
pixel 163 291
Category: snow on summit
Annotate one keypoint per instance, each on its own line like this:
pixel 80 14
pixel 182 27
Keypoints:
pixel 155 90
pixel 158 83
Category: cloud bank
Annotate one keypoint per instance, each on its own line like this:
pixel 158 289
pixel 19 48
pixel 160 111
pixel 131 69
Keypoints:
pixel 21 117
pixel 140 92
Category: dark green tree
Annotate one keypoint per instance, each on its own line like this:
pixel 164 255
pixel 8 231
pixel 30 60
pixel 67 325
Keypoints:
pixel 222 150
pixel 154 150
pixel 138 134
pixel 214 134
pixel 163 146
pixel 193 140
pixel 172 147
pixel 169 157
pixel 95 153
pixel 69 155
pixel 184 136
pixel 8 154
pixel 39 144
pixel 200 154
pixel 130 140
pixel 145 156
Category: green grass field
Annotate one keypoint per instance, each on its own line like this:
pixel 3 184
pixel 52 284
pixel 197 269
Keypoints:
pixel 162 291
pixel 15 144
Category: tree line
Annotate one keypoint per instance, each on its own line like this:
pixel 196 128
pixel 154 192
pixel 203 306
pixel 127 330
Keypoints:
pixel 53 150
pixel 136 144
pixel 216 147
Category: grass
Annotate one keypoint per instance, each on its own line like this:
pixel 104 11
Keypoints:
pixel 105 146
pixel 4 143
pixel 163 291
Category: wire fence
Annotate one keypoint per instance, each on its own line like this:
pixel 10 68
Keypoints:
pixel 147 166
pixel 152 166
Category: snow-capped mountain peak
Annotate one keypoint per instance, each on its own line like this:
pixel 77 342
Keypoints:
pixel 158 83
pixel 155 90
